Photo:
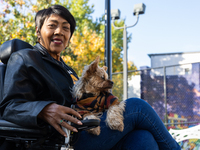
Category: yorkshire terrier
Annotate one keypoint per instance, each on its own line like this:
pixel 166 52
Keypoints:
pixel 93 97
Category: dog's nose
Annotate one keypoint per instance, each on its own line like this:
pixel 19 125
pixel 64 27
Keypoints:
pixel 111 82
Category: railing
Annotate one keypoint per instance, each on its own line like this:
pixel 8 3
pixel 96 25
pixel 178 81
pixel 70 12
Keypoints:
pixel 173 91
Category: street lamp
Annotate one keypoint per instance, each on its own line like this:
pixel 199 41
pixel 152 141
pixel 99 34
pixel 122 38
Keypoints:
pixel 108 52
pixel 115 14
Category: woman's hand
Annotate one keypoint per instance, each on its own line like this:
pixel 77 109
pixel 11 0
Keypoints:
pixel 54 113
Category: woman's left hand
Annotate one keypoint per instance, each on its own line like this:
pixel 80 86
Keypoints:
pixel 54 114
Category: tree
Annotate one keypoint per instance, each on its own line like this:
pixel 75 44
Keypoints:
pixel 17 21
pixel 84 48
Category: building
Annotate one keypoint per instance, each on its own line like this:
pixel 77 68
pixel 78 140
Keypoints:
pixel 180 62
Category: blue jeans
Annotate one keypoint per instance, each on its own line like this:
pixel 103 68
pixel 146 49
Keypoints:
pixel 143 130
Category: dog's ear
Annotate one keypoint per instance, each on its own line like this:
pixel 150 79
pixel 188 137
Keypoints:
pixel 93 66
pixel 105 68
pixel 97 59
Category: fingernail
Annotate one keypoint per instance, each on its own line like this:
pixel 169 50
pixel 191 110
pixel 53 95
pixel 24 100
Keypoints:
pixel 75 130
pixel 65 135
pixel 79 122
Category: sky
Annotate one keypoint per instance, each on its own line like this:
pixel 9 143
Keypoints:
pixel 168 26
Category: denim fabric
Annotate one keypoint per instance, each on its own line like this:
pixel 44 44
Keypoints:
pixel 143 130
pixel 137 140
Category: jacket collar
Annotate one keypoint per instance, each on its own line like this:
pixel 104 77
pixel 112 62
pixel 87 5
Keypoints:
pixel 41 49
pixel 47 56
pixel 44 52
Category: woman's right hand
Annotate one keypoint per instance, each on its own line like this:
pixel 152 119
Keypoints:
pixel 54 115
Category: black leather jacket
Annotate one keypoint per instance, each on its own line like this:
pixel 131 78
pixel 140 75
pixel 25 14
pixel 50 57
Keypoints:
pixel 33 80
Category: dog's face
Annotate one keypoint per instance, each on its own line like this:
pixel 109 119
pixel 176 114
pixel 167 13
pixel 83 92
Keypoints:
pixel 95 78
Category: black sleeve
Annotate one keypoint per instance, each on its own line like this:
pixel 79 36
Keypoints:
pixel 19 104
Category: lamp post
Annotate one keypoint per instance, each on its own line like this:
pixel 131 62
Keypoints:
pixel 115 14
pixel 108 52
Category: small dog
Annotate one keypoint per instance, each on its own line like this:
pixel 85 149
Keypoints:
pixel 93 97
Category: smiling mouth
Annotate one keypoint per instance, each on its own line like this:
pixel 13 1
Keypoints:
pixel 57 41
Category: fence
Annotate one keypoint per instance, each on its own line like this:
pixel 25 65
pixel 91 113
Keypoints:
pixel 173 92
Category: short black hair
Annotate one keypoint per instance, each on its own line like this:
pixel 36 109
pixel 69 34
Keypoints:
pixel 58 10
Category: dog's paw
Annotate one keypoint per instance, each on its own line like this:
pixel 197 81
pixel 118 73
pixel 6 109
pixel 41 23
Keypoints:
pixel 115 124
pixel 95 131
pixel 115 117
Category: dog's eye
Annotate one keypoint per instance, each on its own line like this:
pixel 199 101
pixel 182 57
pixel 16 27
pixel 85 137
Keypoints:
pixel 103 77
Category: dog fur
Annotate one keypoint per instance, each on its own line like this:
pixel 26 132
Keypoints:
pixel 94 81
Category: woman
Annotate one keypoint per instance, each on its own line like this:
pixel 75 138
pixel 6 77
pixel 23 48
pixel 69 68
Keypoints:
pixel 37 90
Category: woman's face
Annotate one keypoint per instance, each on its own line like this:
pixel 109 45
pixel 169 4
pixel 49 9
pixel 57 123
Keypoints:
pixel 54 35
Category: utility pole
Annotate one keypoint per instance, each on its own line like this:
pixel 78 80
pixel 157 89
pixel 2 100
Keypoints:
pixel 108 51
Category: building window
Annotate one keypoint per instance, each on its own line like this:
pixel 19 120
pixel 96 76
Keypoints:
pixel 187 70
